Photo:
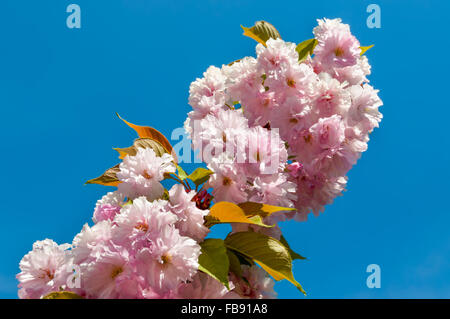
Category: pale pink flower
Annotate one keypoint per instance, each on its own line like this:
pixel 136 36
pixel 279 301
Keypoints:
pixel 149 293
pixel 294 169
pixel 44 269
pixel 228 182
pixel 266 152
pixel 324 147
pixel 111 275
pixel 328 152
pixel 207 94
pixel 169 260
pixel 315 191
pixel 258 285
pixel 325 26
pixel 239 71
pixel 141 174
pixel 190 219
pixel 296 79
pixel 331 98
pixel 273 190
pixel 259 106
pixel 364 112
pixel 276 56
pixel 108 206
pixel 220 133
pixel 142 221
pixel 336 47
pixel 328 133
pixel 204 286
pixel 89 243
pixel 292 116
pixel 355 74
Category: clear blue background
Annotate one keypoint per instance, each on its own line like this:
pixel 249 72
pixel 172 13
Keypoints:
pixel 60 87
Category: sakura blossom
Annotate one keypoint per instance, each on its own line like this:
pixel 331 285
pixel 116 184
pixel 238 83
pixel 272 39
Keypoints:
pixel 43 269
pixel 203 286
pixel 108 206
pixel 141 222
pixel 190 220
pixel 323 109
pixel 143 173
pixel 256 285
pixel 170 260
pixel 278 134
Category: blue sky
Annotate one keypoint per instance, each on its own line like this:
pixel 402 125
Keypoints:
pixel 60 87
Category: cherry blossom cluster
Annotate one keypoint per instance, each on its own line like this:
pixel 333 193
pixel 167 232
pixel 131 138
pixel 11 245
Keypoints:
pixel 140 246
pixel 276 129
pixel 308 122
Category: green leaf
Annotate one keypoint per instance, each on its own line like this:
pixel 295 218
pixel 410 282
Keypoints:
pixel 235 264
pixel 226 212
pixel 257 220
pixel 365 49
pixel 62 295
pixel 129 202
pixel 214 260
pixel 266 251
pixel 305 49
pixel 200 175
pixel 165 195
pixel 109 178
pixel 262 210
pixel 261 32
pixel 244 260
pixel 293 254
pixel 181 173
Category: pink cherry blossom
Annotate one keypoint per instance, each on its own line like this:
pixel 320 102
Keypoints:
pixel 204 286
pixel 142 221
pixel 190 219
pixel 111 275
pixel 108 207
pixel 141 174
pixel 336 47
pixel 228 181
pixel 88 244
pixel 257 284
pixel 170 260
pixel 271 130
pixel 44 269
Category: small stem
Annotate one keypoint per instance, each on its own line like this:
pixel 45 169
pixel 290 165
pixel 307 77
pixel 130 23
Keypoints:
pixel 176 178
pixel 186 186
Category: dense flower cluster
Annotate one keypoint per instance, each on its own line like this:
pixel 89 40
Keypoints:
pixel 141 246
pixel 271 130
pixel 281 132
